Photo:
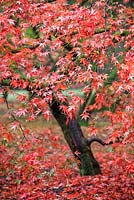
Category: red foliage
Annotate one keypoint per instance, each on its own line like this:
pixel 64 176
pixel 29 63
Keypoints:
pixel 42 167
pixel 45 49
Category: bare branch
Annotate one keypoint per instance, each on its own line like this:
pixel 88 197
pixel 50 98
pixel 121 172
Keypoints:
pixel 100 141
pixel 95 139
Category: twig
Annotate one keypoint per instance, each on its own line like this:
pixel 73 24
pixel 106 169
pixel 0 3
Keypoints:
pixel 105 15
pixel 12 115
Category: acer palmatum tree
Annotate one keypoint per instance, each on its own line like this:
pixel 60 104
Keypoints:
pixel 49 49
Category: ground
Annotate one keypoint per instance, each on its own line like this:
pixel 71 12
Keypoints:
pixel 41 167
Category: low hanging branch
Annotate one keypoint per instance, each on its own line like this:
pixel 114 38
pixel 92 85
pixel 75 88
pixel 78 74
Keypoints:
pixel 95 139
pixel 5 94
pixel 103 143
pixel 79 145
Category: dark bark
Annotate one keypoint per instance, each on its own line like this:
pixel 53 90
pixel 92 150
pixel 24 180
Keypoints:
pixel 78 144
pixel 96 139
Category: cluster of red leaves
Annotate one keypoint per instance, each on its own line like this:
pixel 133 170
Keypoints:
pixel 36 37
pixel 42 167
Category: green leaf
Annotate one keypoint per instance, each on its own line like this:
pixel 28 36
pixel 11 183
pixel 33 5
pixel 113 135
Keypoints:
pixel 112 77
pixel 70 2
pixel 94 67
pixel 83 122
pixel 6 82
pixel 32 32
pixel 17 71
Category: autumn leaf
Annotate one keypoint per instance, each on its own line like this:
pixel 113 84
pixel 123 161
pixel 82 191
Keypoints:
pixel 21 112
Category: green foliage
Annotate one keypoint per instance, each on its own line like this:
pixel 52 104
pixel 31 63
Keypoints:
pixel 16 20
pixel 85 3
pixel 78 58
pixel 70 2
pixel 124 33
pixel 9 39
pixel 1 9
pixel 68 46
pixel 15 68
pixel 111 77
pixel 94 67
pixel 82 40
pixel 5 81
pixel 32 32
pixel 83 122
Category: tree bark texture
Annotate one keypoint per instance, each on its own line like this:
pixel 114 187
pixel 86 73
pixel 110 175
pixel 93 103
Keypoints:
pixel 78 144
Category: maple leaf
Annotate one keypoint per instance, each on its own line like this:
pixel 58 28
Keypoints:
pixel 22 97
pixel 115 135
pixel 14 125
pixel 47 114
pixel 85 115
pixel 49 48
pixel 21 112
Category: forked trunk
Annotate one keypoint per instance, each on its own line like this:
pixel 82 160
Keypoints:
pixel 77 142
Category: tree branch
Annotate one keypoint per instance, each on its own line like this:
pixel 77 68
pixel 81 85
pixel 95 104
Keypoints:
pixel 100 141
pixel 88 101
pixel 95 139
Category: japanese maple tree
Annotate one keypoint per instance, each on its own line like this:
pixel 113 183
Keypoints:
pixel 52 48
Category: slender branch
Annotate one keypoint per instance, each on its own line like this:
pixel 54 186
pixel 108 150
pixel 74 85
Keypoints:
pixel 61 117
pixel 82 107
pixel 102 30
pixel 25 46
pixel 100 141
pixel 95 139
pixel 88 101
pixel 105 16
pixel 5 93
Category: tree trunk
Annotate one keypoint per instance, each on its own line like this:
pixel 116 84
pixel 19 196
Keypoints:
pixel 78 144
